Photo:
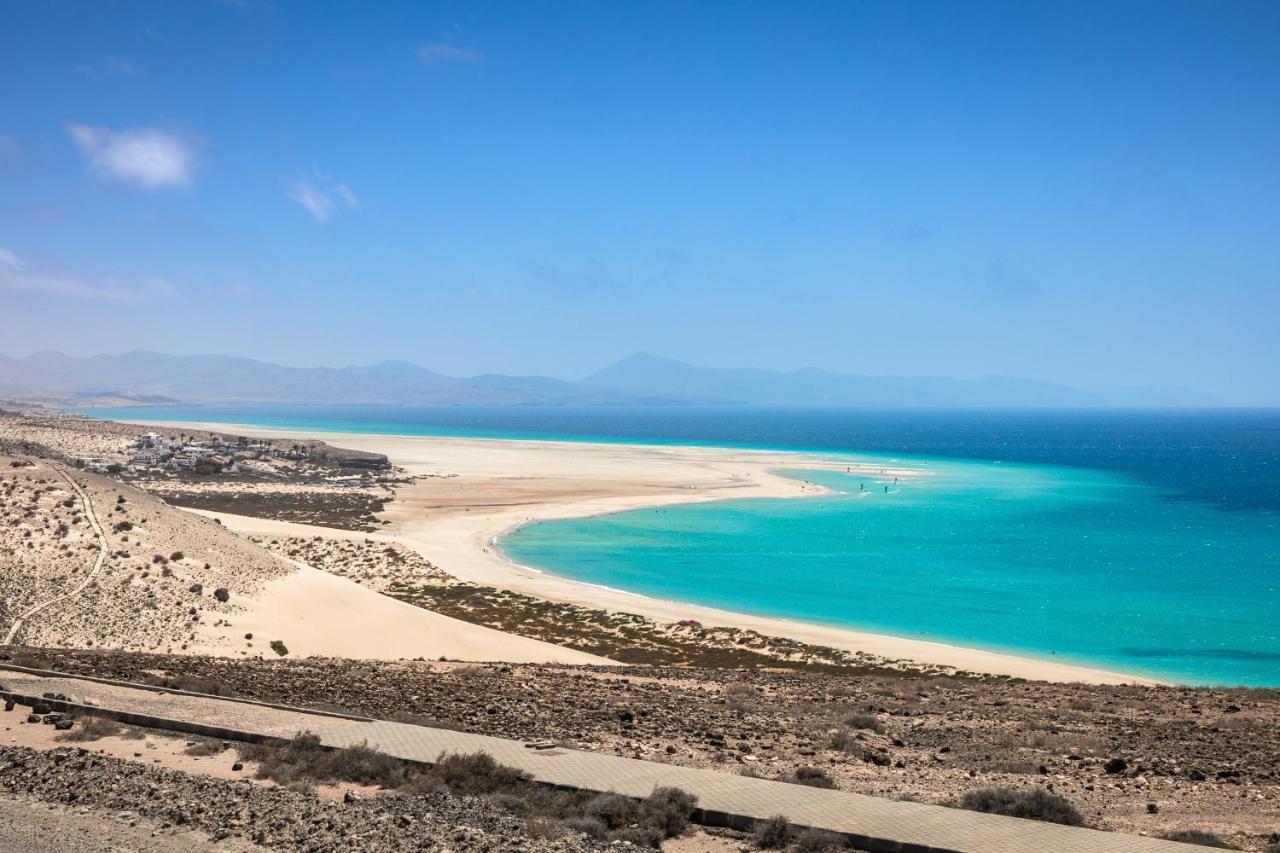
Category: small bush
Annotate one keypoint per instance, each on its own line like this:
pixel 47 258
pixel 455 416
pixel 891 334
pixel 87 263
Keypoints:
pixel 187 684
pixel 204 747
pixel 868 722
pixel 773 833
pixel 279 648
pixel 176 556
pixel 641 835
pixel 811 776
pixel 122 526
pixel 92 728
pixel 304 760
pixel 818 841
pixel 1034 804
pixel 613 810
pixel 221 594
pixel 668 810
pixel 1198 836
pixel 588 826
pixel 476 773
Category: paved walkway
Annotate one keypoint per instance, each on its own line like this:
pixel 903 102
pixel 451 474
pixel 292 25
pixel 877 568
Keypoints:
pixel 876 824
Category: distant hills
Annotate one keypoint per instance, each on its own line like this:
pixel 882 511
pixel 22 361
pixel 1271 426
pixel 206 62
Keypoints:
pixel 150 378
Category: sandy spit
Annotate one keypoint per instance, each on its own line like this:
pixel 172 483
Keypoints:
pixel 471 491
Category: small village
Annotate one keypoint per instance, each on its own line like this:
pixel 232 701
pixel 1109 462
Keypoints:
pixel 215 455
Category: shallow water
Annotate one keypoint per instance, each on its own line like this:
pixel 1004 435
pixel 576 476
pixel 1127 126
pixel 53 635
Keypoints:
pixel 1147 542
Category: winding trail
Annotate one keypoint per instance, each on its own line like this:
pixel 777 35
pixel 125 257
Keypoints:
pixel 97 564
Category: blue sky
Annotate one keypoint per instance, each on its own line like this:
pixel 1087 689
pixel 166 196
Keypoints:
pixel 1087 193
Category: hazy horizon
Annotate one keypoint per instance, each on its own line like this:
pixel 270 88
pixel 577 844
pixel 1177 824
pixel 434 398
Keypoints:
pixel 1086 194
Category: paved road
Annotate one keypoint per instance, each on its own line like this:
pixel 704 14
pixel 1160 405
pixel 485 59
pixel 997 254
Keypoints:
pixel 875 823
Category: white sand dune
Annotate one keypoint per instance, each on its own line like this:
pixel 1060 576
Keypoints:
pixel 319 614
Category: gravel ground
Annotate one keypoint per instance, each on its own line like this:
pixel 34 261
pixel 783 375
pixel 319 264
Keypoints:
pixel 32 826
pixel 268 817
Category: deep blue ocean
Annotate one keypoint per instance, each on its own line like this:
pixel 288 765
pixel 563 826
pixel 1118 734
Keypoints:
pixel 1141 541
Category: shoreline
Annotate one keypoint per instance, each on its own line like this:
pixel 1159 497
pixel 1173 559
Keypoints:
pixel 469 493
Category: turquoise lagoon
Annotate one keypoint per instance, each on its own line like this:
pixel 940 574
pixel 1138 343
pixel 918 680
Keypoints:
pixel 1038 560
pixel 1143 542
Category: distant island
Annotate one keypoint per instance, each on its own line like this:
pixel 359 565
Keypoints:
pixel 141 377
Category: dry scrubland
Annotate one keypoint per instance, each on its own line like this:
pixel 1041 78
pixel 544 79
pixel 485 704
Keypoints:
pixel 1207 759
pixel 165 570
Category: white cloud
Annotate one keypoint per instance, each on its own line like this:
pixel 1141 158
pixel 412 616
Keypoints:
pixel 146 157
pixel 18 275
pixel 321 197
pixel 440 52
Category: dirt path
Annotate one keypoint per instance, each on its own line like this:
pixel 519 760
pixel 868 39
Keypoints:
pixel 97 564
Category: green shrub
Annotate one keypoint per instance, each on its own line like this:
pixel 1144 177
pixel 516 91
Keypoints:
pixel 279 648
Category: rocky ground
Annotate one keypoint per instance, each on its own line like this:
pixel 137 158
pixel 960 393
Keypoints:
pixel 31 825
pixel 273 818
pixel 1204 758
pixel 161 577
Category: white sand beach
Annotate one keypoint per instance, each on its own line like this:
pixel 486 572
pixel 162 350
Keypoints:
pixel 471 491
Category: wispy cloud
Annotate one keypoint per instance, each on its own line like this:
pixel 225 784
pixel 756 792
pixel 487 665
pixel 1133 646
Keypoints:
pixel 430 54
pixel 145 157
pixel 16 274
pixel 322 196
pixel 112 67
pixel 1007 283
pixel 10 153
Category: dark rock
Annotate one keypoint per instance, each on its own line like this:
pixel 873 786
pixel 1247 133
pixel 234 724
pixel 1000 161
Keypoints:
pixel 63 725
pixel 1115 765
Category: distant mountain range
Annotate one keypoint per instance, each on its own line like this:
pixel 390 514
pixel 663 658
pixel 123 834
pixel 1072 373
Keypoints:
pixel 150 378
